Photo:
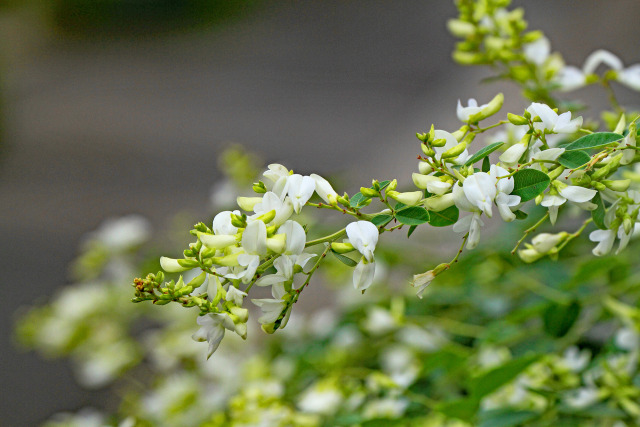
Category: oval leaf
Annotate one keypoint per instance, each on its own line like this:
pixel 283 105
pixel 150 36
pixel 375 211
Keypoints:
pixel 574 159
pixel 594 140
pixel 413 215
pixel 445 217
pixel 598 213
pixel 528 183
pixel 357 200
pixel 558 319
pixel 345 259
pixel 483 153
pixel 381 220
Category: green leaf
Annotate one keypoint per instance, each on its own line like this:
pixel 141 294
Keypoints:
pixel 463 409
pixel 358 200
pixel 412 215
pixel 506 417
pixel 445 217
pixel 383 184
pixel 574 159
pixel 520 214
pixel 494 379
pixel 483 153
pixel 486 165
pixel 399 206
pixel 594 140
pixel 381 220
pixel 411 230
pixel 528 183
pixel 558 318
pixel 345 259
pixel 598 213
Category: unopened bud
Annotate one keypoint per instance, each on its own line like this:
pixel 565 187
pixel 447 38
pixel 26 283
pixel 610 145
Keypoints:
pixel 517 120
pixel 342 248
pixel 460 28
pixel 617 185
pixel 392 185
pixel 248 203
pixel 410 198
pixel 492 108
pixel 369 192
pixel 259 187
pixel 440 142
pixel 239 221
pixel 454 151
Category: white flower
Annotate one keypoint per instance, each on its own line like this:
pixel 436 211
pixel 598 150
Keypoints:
pixel 601 56
pixel 573 193
pixel 451 142
pixel 277 176
pixel 121 233
pixel 300 189
pixel 544 242
pixel 537 51
pixel 363 274
pixel 504 200
pixel 512 155
pixel 627 339
pixel 465 112
pixel 630 77
pixel 324 189
pixel 212 330
pixel 235 296
pixel 171 265
pixel 222 223
pixel 553 122
pixel 575 359
pixel 421 281
pixel 570 78
pixel 271 309
pixel 271 202
pixel 254 243
pixel 582 397
pixel 363 235
pixel 320 399
pixel 605 239
pixel 480 190
pixel 471 224
pixel 431 183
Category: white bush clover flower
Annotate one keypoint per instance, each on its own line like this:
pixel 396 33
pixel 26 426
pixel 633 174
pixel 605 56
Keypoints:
pixel 563 192
pixel 480 190
pixel 271 202
pixel 464 113
pixel 451 142
pixel 212 328
pixel 325 190
pixel 300 189
pixel 363 235
pixel 537 51
pixel 504 186
pixel 254 245
pixel 551 121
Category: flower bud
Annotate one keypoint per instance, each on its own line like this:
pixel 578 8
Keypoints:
pixel 259 187
pixel 425 168
pixel 454 151
pixel 529 255
pixel 267 217
pixel 439 203
pixel 422 137
pixel 219 241
pixel 342 248
pixel 440 142
pixel 197 281
pixel 227 260
pixel 460 133
pixel 248 203
pixel 410 198
pixel 277 243
pixel 460 28
pixel 517 120
pixel 241 314
pixel 188 263
pixel 392 185
pixel 617 185
pixel 369 192
pixel 492 108
pixel 239 221
pixel 544 242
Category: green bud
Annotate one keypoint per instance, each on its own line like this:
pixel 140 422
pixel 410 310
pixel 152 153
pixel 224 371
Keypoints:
pixel 187 263
pixel 392 185
pixel 197 281
pixel 227 260
pixel 162 302
pixel 517 120
pixel 267 217
pixel 422 137
pixel 492 108
pixel 259 187
pixel 240 314
pixel 342 248
pixel 440 268
pixel 201 227
pixel 458 135
pixel 460 28
pixel 185 290
pixel 369 192
pixel 468 58
pixel 627 224
pixel 159 277
pixel 343 200
pixel 376 185
pixel 441 142
pixel 410 198
pixel 618 185
pixel 531 36
pixel 538 199
pixel 454 151
pixel 207 253
pixel 428 151
pixel 248 203
pixel 598 186
pixel 555 173
pixel 622 123
pixel 207 262
pixel 239 221
pixel 188 253
pixel 269 329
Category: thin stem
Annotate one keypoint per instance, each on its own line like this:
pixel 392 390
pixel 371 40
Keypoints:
pixel 329 238
pixel 576 234
pixel 529 231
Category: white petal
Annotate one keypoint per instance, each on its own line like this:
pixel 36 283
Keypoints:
pixel 363 274
pixel 363 235
pixel 630 77
pixel 296 237
pixel 577 194
pixel 324 189
pixel 601 56
pixel 570 78
pixel 254 238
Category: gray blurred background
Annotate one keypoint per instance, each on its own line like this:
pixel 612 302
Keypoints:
pixel 119 106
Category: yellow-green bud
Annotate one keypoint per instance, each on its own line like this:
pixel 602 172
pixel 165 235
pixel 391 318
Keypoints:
pixel 369 192
pixel 343 200
pixel 277 243
pixel 410 198
pixel 342 248
pixel 259 187
pixel 492 108
pixel 197 281
pixel 238 221
pixel 440 142
pixel 460 28
pixel 618 185
pixel 538 199
pixel 227 260
pixel 422 137
pixel 428 151
pixel 248 203
pixel 517 120
pixel 439 203
pixel 468 58
pixel 454 151
pixel 555 173
pixel 460 133
pixel 267 217
pixel 392 185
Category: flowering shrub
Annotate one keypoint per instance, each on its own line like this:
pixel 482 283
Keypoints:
pixel 493 343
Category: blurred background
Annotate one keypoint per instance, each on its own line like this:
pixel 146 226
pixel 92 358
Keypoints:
pixel 110 107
